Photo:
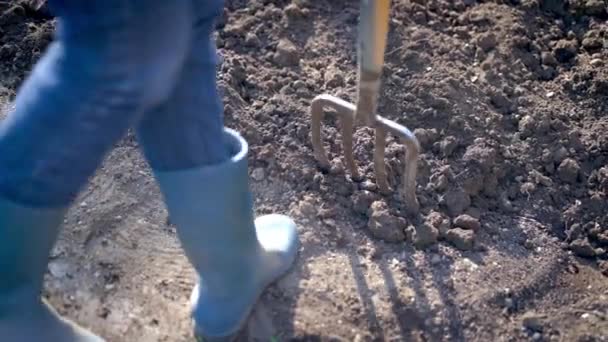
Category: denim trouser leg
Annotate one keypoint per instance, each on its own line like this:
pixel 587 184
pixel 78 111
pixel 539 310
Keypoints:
pixel 112 61
pixel 186 131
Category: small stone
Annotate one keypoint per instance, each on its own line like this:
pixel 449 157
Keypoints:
pixel 568 170
pixel 533 321
pixel 258 174
pixel 582 248
pixel 385 226
pixel 461 238
pixel 457 201
pixel 286 54
pixel 435 259
pixel 537 336
pixel 467 222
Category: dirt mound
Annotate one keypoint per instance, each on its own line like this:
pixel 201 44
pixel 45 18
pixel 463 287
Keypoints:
pixel 508 100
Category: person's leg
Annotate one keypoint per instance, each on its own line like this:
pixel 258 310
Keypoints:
pixel 201 168
pixel 110 62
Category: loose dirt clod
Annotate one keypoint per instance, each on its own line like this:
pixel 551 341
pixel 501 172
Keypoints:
pixel 582 248
pixel 385 226
pixel 287 53
pixel 568 170
pixel 467 222
pixel 425 235
pixel 462 239
pixel 456 200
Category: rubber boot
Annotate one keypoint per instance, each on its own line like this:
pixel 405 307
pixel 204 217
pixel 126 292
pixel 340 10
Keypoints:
pixel 235 255
pixel 26 238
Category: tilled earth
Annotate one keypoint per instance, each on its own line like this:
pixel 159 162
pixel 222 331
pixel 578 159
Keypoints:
pixel 508 100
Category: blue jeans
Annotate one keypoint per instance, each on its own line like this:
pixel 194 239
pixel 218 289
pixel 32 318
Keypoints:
pixel 114 65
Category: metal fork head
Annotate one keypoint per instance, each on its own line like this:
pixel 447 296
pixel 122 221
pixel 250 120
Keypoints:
pixel 347 113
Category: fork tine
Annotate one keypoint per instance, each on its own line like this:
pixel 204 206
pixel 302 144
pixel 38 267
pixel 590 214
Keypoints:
pixel 346 113
pixel 411 160
pixel 316 113
pixel 348 123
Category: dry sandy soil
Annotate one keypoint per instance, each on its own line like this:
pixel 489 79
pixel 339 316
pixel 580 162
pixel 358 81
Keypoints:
pixel 509 101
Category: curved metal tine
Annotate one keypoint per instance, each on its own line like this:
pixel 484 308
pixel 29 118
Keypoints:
pixel 346 111
pixel 411 161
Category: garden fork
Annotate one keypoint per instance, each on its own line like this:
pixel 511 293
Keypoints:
pixel 373 30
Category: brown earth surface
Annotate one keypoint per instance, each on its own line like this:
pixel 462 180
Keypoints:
pixel 509 102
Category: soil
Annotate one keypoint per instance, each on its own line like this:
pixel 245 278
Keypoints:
pixel 508 99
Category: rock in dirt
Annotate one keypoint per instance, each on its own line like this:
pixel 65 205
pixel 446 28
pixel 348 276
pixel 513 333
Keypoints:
pixel 467 222
pixel 287 53
pixel 462 239
pixel 425 235
pixel 385 226
pixel 533 321
pixel 568 170
pixel 457 201
pixel 582 248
